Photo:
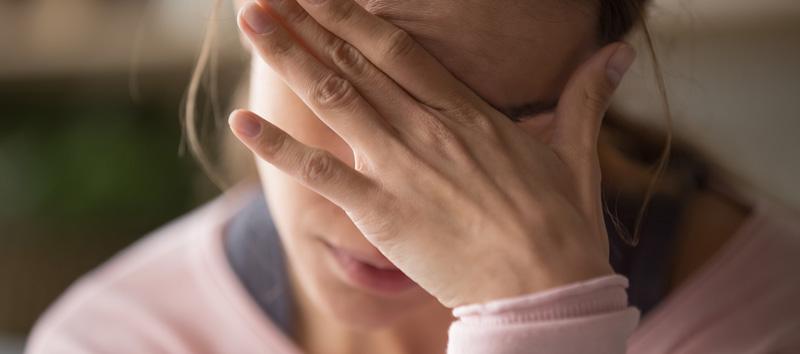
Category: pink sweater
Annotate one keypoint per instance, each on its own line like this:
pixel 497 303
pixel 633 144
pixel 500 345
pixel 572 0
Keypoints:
pixel 174 292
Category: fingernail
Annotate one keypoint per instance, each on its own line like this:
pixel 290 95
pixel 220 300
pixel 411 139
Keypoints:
pixel 258 19
pixel 245 124
pixel 619 63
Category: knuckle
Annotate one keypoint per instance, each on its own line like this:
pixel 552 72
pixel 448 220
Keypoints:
pixel 467 115
pixel 398 44
pixel 596 97
pixel 295 15
pixel 333 92
pixel 457 110
pixel 342 11
pixel 317 167
pixel 347 58
pixel 437 132
pixel 272 143
pixel 278 45
pixel 439 136
pixel 483 125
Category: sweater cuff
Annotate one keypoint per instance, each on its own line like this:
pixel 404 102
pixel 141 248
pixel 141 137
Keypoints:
pixel 601 294
pixel 591 315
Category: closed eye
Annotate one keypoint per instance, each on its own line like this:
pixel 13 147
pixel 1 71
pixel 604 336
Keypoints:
pixel 529 110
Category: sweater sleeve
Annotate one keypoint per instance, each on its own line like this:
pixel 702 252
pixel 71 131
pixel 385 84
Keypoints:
pixel 590 316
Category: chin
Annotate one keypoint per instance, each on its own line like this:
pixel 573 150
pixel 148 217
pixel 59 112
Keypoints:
pixel 365 313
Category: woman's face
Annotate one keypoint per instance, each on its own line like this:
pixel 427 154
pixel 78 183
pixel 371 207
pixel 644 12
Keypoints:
pixel 516 54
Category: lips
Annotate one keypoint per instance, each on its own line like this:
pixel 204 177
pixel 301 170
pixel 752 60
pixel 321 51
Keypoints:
pixel 374 274
pixel 377 261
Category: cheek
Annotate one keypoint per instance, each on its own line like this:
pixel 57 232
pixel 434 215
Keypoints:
pixel 273 100
pixel 298 212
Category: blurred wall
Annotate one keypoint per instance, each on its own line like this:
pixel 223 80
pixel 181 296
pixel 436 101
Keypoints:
pixel 90 100
pixel 82 37
pixel 733 74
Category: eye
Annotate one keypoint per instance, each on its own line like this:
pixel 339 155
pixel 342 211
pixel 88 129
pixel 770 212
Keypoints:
pixel 529 111
pixel 525 117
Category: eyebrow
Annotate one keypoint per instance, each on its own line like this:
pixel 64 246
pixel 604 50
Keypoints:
pixel 528 109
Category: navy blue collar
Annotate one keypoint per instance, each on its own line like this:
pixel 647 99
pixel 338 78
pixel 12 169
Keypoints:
pixel 255 253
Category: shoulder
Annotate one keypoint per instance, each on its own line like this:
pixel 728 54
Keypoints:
pixel 758 294
pixel 768 245
pixel 169 292
pixel 743 300
pixel 782 221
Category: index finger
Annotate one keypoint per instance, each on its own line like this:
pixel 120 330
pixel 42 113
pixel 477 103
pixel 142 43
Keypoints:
pixel 394 52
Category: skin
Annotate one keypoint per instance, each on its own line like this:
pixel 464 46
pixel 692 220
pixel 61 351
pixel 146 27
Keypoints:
pixel 497 65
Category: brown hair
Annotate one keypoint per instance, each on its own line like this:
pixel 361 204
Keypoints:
pixel 616 19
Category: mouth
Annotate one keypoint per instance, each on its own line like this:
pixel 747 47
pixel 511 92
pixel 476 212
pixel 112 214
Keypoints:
pixel 373 274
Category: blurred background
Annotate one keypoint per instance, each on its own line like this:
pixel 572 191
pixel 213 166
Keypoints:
pixel 90 136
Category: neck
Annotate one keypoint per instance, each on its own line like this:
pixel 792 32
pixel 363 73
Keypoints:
pixel 424 330
pixel 711 218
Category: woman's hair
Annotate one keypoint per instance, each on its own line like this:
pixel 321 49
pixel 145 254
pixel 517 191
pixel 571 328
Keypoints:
pixel 616 19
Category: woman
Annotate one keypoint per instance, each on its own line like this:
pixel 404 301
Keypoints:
pixel 433 182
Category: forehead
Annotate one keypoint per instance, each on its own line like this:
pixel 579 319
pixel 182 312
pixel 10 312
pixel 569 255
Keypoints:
pixel 509 51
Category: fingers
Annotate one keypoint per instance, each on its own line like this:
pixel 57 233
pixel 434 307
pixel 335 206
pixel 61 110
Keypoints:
pixel 579 116
pixel 394 52
pixel 315 168
pixel 331 97
pixel 377 88
pixel 585 100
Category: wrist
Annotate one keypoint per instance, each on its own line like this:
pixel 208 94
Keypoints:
pixel 518 281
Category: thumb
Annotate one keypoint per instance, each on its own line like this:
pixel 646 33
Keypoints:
pixel 586 98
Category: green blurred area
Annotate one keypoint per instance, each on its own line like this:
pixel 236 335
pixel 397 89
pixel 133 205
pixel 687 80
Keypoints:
pixel 84 171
